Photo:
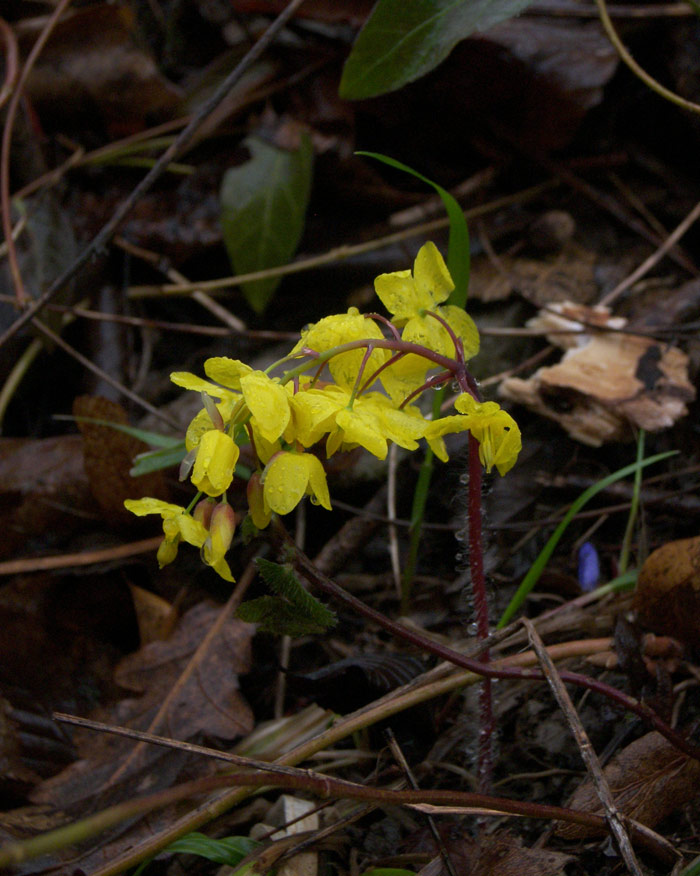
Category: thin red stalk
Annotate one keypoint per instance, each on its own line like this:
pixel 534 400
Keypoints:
pixel 481 611
pixel 457 342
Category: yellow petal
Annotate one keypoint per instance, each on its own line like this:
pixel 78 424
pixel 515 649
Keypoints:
pixel 284 483
pixel 397 292
pixel 318 486
pixel 198 384
pixel 464 327
pixel 433 280
pixel 268 404
pixel 140 507
pixel 216 459
pixel 227 372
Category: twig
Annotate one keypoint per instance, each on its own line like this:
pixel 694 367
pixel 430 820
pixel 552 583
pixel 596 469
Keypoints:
pixel 403 763
pixel 100 241
pixel 11 62
pixel 84 558
pixel 655 257
pixel 66 347
pixel 431 686
pixel 342 253
pixel 638 71
pixel 36 50
pixel 588 754
pixel 498 669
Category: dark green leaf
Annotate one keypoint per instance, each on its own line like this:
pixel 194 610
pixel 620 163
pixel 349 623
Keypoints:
pixel 263 205
pixel 273 614
pixel 293 611
pixel 402 41
pixel 458 253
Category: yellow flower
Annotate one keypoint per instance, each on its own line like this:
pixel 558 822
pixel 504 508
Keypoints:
pixel 215 462
pixel 288 477
pixel 372 422
pixel 178 526
pixel 332 331
pixel 495 430
pixel 410 298
pixel 314 412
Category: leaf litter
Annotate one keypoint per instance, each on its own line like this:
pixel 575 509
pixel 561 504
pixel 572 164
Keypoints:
pixel 527 92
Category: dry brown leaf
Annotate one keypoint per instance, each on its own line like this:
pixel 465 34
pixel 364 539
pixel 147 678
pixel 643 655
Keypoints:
pixel 498 854
pixel 208 705
pixel 44 493
pixel 566 276
pixel 649 780
pixel 667 598
pixel 606 381
pixel 109 456
pixel 155 616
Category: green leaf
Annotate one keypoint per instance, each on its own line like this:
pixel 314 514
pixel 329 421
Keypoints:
pixel 273 614
pixel 263 205
pixel 155 439
pixel 402 41
pixel 293 611
pixel 458 252
pixel 229 850
pixel 155 460
pixel 389 871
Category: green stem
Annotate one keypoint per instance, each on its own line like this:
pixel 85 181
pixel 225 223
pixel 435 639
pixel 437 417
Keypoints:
pixel 634 507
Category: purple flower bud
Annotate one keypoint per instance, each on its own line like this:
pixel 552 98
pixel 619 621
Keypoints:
pixel 588 567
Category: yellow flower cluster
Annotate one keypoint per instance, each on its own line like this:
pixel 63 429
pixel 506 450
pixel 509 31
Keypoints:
pixel 374 376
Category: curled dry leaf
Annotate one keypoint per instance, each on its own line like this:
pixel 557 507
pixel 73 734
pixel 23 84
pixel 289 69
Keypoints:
pixel 109 455
pixel 667 598
pixel 606 381
pixel 649 779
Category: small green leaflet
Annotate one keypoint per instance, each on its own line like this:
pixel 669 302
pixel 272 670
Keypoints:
pixel 292 612
pixel 263 207
pixel 403 41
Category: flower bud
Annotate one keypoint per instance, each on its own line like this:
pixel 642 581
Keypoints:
pixel 221 531
pixel 167 551
pixel 203 512
pixel 259 511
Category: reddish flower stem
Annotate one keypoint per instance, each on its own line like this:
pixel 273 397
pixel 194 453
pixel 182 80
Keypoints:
pixel 481 611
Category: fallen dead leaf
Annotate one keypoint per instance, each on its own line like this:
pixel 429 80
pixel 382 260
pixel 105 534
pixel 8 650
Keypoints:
pixel 208 705
pixel 606 381
pixel 649 780
pixel 667 598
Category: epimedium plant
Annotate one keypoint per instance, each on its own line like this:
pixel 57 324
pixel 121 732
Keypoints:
pixel 351 380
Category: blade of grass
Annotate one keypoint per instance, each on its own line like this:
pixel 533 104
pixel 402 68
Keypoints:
pixel 538 566
pixel 634 507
